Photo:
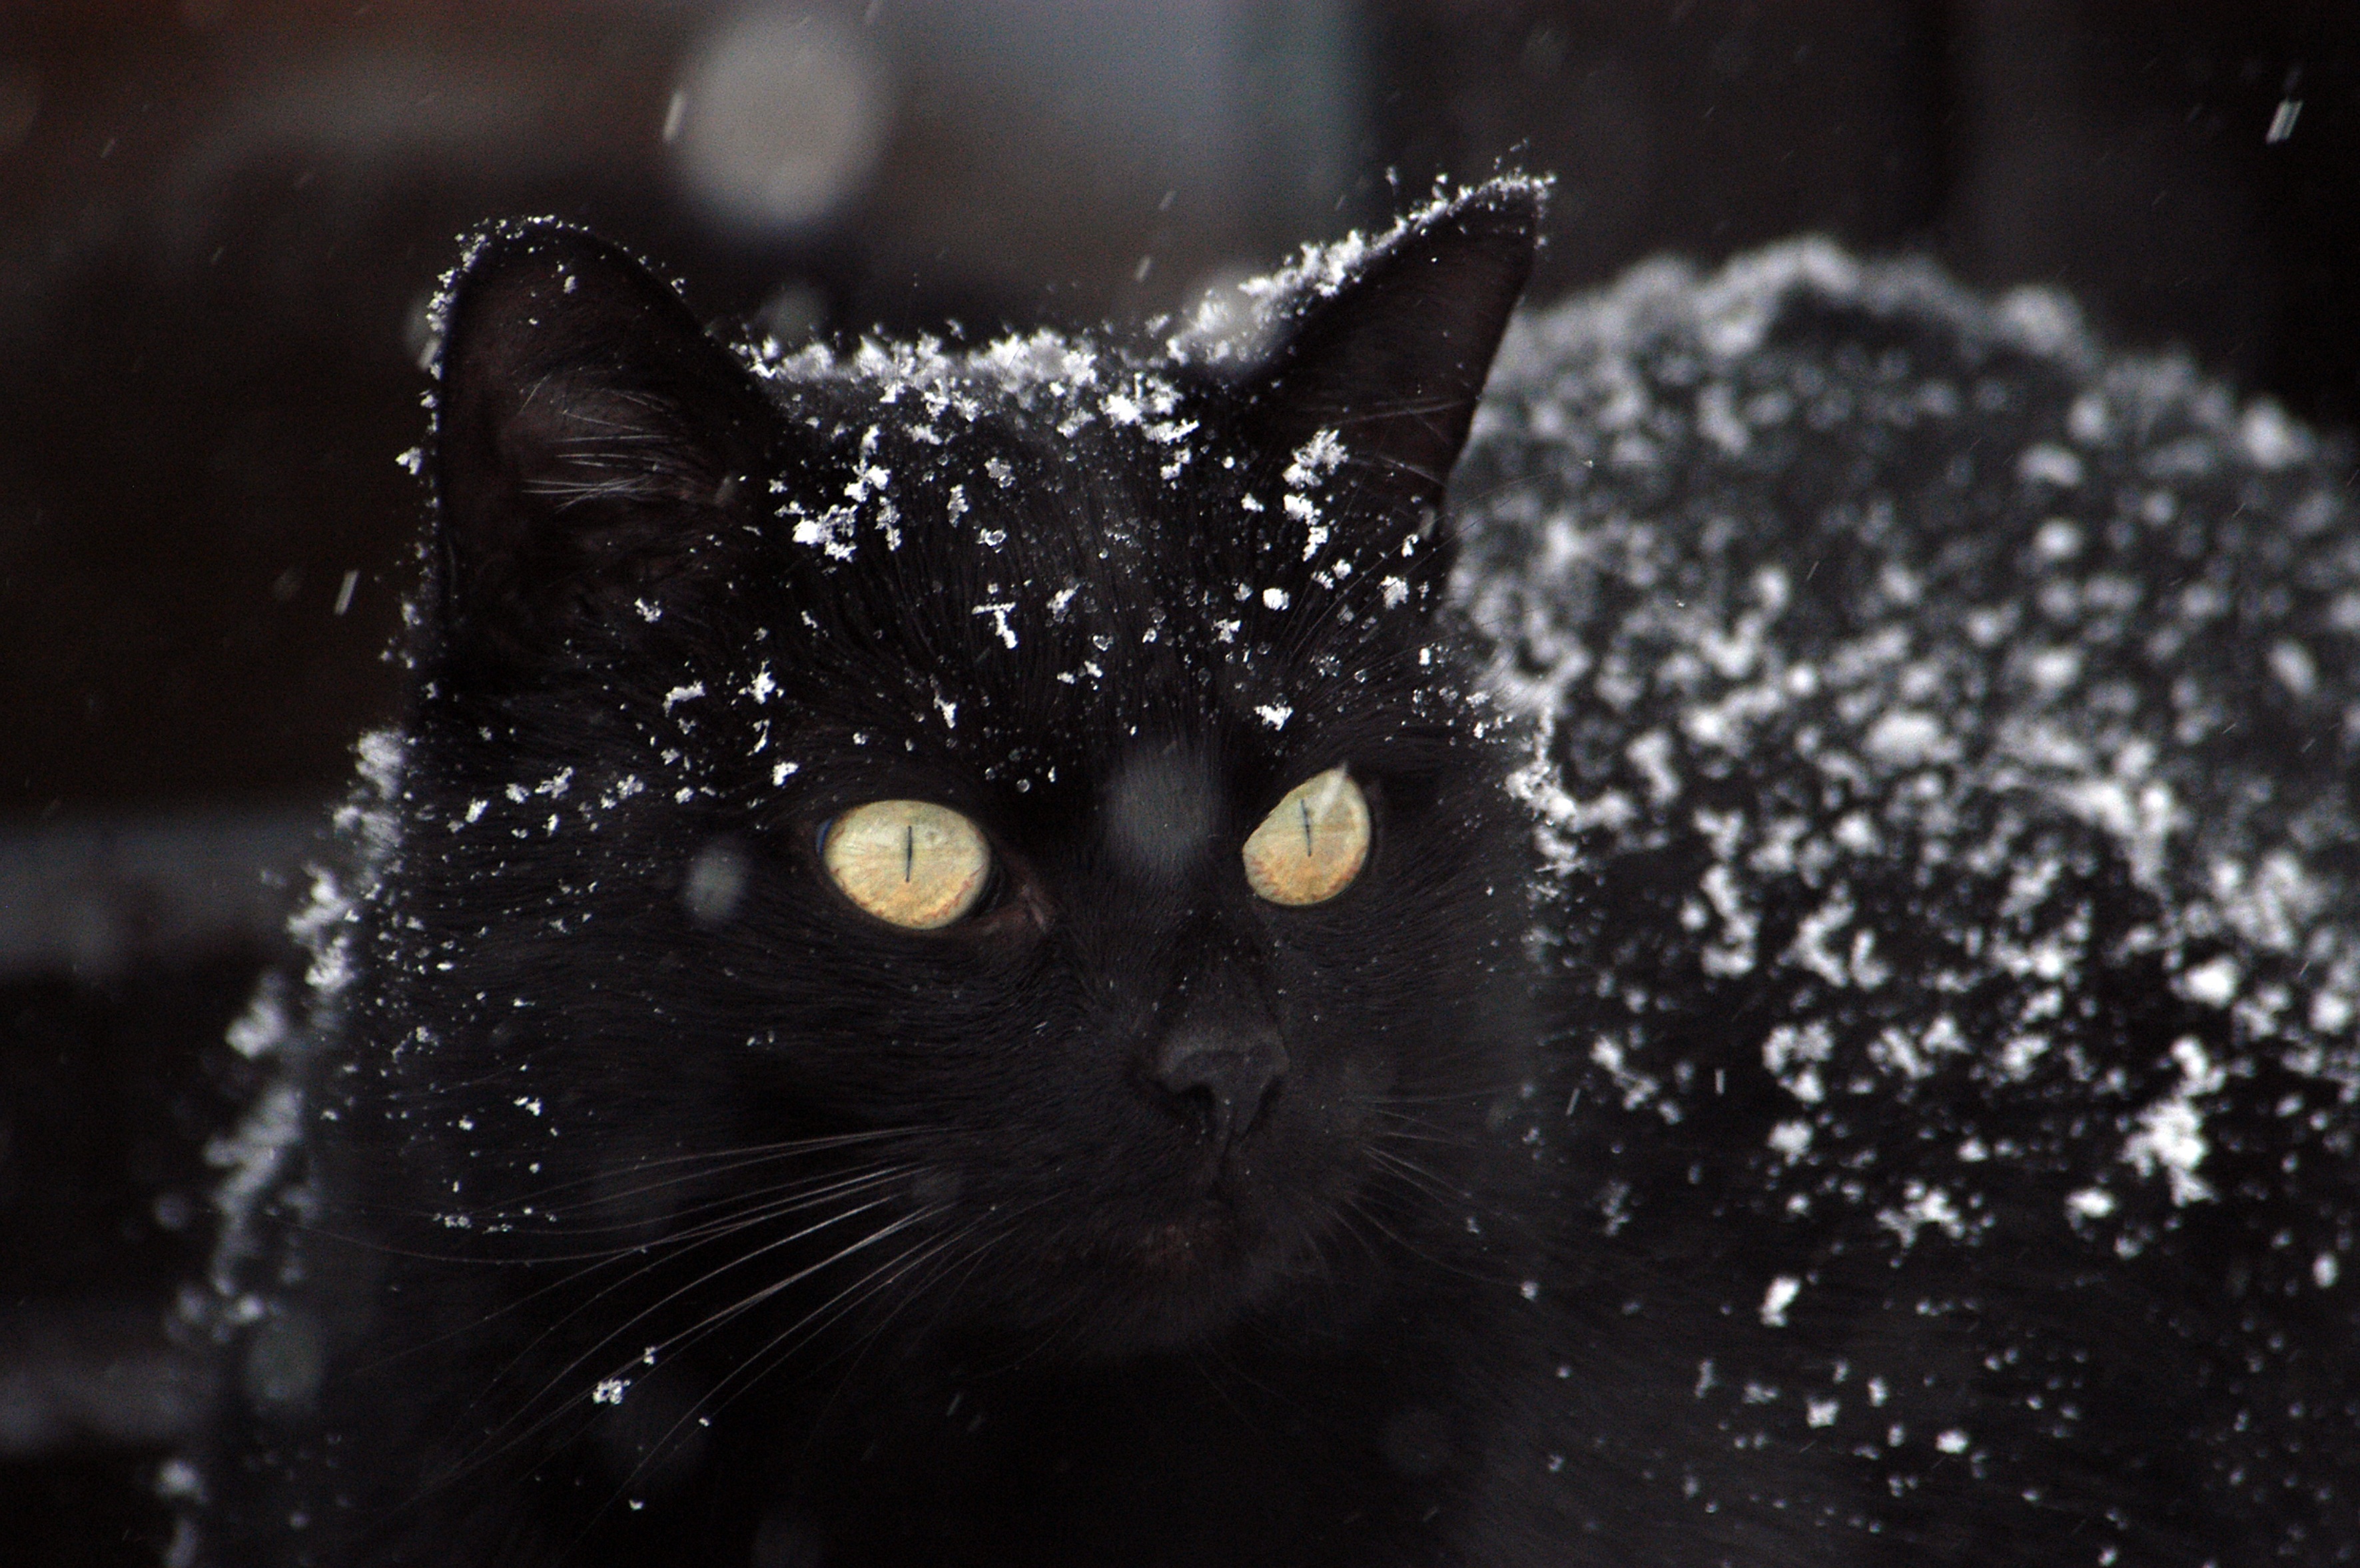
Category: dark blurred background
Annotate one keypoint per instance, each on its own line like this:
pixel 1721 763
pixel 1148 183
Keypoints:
pixel 221 221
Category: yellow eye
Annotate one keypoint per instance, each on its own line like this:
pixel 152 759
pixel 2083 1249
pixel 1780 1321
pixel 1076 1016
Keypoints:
pixel 910 862
pixel 1313 843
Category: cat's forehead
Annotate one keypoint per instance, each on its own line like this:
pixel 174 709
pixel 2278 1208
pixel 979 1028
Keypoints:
pixel 1060 571
pixel 1095 483
pixel 1073 492
pixel 1058 437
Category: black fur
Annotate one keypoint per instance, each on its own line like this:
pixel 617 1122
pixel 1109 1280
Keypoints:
pixel 631 1197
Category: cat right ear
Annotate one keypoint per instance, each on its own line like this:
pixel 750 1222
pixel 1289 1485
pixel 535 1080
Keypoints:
pixel 1387 358
pixel 591 441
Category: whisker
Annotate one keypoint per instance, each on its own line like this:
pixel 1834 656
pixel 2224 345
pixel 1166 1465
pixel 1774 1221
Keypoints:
pixel 652 1255
pixel 739 1157
pixel 1438 1139
pixel 621 1330
pixel 1416 1175
pixel 737 1160
pixel 754 1366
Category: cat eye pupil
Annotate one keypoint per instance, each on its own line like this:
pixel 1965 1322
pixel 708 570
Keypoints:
pixel 1333 817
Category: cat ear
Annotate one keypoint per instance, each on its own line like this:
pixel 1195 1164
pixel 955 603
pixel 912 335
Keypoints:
pixel 1393 356
pixel 591 440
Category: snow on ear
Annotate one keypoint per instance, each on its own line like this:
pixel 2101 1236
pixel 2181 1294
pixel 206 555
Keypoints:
pixel 1389 348
pixel 590 439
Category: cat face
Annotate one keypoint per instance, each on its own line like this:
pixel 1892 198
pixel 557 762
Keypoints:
pixel 1024 798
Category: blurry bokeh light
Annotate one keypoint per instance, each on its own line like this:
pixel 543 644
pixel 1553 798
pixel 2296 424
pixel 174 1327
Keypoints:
pixel 778 118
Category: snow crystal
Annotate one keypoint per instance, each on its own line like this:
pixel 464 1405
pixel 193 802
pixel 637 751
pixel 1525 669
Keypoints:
pixel 1651 754
pixel 2059 538
pixel 2269 437
pixel 1904 739
pixel 2292 664
pixel 831 532
pixel 1924 1205
pixel 177 1478
pixel 999 613
pixel 2215 984
pixel 2170 1135
pixel 254 1156
pixel 2089 1203
pixel 2049 464
pixel 1777 1299
pixel 262 1028
pixel 1792 1052
pixel 1315 460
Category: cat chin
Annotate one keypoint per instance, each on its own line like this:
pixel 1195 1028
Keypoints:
pixel 1174 1314
pixel 1163 1285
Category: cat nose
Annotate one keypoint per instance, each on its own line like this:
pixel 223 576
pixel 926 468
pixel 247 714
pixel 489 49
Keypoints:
pixel 1222 1079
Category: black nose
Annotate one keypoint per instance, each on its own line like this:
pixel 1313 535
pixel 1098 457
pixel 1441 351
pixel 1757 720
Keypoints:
pixel 1221 1079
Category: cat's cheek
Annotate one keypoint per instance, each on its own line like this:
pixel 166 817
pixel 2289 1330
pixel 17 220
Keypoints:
pixel 1310 1150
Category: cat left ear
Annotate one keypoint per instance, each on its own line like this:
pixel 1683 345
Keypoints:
pixel 592 441
pixel 1393 358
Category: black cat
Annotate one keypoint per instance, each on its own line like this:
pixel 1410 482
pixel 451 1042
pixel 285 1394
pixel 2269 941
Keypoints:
pixel 973 957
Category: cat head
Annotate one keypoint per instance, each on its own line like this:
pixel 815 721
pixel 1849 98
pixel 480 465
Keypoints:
pixel 1041 775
